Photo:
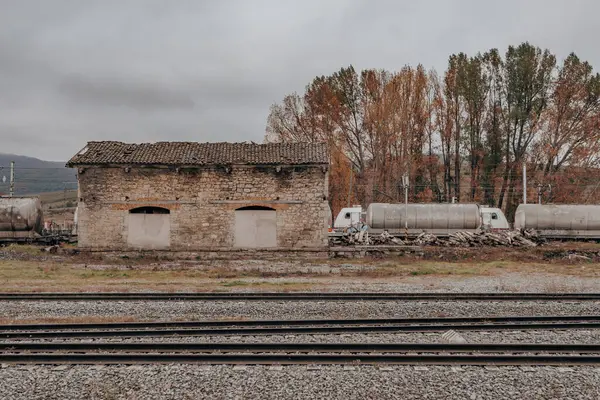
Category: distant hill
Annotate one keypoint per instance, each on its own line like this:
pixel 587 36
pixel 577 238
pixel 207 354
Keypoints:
pixel 33 175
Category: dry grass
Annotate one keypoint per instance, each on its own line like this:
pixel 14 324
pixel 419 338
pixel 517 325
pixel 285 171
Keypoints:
pixel 592 245
pixel 32 276
pixel 391 269
pixel 23 249
pixel 52 197
pixel 58 199
pixel 402 268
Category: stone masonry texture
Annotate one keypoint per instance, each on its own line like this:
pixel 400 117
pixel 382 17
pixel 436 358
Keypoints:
pixel 202 203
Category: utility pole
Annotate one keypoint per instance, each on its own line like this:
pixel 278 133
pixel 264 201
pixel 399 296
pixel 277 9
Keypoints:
pixel 525 181
pixel 11 191
pixel 350 186
pixel 405 184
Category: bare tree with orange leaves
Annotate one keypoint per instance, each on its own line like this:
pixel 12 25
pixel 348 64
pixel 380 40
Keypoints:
pixel 463 135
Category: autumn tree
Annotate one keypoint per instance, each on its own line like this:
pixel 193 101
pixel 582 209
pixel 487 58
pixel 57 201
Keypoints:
pixel 454 111
pixel 432 128
pixel 485 116
pixel 572 118
pixel 493 121
pixel 527 81
pixel 473 87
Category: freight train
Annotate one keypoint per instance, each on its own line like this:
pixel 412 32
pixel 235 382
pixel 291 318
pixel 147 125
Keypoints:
pixel 549 221
pixel 560 221
pixel 21 218
pixel 22 221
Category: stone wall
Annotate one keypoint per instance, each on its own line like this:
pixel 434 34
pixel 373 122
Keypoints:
pixel 202 203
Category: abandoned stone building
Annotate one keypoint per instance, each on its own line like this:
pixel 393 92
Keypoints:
pixel 188 196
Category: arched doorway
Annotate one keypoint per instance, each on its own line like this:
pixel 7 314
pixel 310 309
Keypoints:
pixel 255 227
pixel 149 228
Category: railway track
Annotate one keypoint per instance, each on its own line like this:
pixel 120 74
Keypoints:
pixel 301 322
pixel 127 352
pixel 162 347
pixel 299 353
pixel 269 359
pixel 296 327
pixel 298 296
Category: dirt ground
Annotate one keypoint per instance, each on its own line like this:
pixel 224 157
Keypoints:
pixel 25 268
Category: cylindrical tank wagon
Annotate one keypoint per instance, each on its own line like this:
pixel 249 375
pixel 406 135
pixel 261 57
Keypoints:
pixel 574 222
pixel 430 217
pixel 560 221
pixel 20 217
pixel 438 219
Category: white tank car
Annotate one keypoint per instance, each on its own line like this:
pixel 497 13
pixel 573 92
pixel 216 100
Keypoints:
pixel 438 219
pixel 560 221
pixel 20 217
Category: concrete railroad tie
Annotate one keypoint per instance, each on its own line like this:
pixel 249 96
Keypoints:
pixel 453 337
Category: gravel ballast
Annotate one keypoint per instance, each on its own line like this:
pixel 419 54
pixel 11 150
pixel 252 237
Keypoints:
pixel 326 382
pixel 558 337
pixel 329 382
pixel 211 310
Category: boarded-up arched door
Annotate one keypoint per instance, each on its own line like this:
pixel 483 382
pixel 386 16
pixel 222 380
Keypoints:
pixel 255 227
pixel 149 228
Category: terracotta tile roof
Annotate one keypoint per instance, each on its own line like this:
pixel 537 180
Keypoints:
pixel 193 153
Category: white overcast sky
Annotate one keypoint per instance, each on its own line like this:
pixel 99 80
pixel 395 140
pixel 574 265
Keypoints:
pixel 200 70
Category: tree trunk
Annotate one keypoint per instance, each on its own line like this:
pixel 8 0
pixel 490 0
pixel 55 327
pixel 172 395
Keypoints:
pixel 474 173
pixel 504 186
pixel 457 168
pixel 510 198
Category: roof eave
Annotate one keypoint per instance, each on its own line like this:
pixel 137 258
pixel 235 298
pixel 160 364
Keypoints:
pixel 180 165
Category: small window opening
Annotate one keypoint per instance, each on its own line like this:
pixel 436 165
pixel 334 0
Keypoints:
pixel 494 216
pixel 347 216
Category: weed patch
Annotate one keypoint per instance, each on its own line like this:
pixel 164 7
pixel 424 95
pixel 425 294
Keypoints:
pixel 235 283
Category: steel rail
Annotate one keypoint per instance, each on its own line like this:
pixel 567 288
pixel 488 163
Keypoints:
pixel 303 322
pixel 161 347
pixel 269 359
pixel 301 330
pixel 296 296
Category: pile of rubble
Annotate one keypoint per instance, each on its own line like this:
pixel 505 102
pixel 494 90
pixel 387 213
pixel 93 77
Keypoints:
pixel 364 238
pixel 464 239
pixel 500 238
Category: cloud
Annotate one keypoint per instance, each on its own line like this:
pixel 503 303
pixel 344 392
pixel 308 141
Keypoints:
pixel 138 70
pixel 136 95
